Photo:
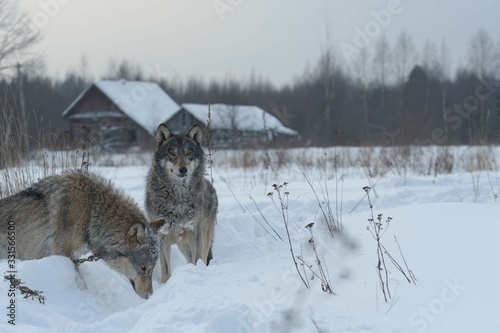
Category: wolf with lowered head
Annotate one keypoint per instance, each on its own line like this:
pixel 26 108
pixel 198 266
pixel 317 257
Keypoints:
pixel 178 192
pixel 75 212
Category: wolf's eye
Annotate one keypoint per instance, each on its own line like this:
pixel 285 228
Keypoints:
pixel 172 153
pixel 143 268
pixel 188 152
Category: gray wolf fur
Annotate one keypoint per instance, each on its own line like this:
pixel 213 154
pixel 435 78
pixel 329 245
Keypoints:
pixel 72 213
pixel 178 192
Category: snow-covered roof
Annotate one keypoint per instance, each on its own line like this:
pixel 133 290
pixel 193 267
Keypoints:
pixel 243 117
pixel 143 102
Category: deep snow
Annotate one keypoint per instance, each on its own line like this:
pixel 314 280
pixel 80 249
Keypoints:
pixel 447 227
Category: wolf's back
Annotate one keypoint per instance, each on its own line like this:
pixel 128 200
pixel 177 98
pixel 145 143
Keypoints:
pixel 27 215
pixel 53 216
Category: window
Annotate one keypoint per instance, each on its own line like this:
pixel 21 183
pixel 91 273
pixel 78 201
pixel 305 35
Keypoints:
pixel 131 135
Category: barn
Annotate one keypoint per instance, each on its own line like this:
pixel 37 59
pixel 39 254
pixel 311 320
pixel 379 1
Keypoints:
pixel 118 115
pixel 233 126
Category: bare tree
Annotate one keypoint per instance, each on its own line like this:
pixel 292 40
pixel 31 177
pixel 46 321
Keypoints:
pixel 327 76
pixel 497 59
pixel 84 69
pixel 482 57
pixel 17 35
pixel 430 56
pixel 124 69
pixel 432 69
pixel 483 62
pixel 404 56
pixel 328 73
pixel 361 64
pixel 444 65
pixel 382 61
pixel 382 64
pixel 403 59
pixel 444 62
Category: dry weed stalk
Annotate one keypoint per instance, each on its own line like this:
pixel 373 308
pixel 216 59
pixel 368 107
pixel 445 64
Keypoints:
pixel 334 224
pixel 208 137
pixel 265 220
pixel 322 273
pixel 282 207
pixel 27 292
pixel 377 229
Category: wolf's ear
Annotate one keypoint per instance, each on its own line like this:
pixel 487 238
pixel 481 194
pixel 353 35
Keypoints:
pixel 196 134
pixel 137 232
pixel 163 134
pixel 156 225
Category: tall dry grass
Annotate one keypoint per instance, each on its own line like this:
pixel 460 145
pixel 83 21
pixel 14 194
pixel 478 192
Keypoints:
pixel 376 161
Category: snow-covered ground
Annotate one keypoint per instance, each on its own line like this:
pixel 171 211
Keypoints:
pixel 447 227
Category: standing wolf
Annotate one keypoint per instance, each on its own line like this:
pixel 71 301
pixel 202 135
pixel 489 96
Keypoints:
pixel 178 192
pixel 72 213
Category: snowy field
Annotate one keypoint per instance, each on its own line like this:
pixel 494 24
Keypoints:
pixel 446 224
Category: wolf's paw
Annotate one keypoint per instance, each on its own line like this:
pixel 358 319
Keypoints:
pixel 201 263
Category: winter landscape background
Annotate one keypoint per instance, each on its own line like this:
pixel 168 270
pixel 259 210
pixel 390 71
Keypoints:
pixel 396 106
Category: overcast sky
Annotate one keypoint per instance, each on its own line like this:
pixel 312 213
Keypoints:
pixel 276 39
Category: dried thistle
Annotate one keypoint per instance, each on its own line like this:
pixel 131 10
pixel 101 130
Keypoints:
pixel 25 291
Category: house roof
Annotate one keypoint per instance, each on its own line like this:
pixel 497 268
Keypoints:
pixel 143 102
pixel 244 117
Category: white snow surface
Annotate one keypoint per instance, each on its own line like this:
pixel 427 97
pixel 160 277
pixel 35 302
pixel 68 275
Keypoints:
pixel 447 227
pixel 244 117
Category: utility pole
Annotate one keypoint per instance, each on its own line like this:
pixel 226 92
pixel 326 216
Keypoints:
pixel 22 111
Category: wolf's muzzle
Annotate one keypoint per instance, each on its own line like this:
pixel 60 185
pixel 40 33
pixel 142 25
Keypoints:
pixel 183 171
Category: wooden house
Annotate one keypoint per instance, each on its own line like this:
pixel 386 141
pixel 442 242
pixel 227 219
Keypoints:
pixel 233 126
pixel 118 115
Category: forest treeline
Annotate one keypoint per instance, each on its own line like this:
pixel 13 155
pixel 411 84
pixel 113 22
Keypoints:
pixel 383 95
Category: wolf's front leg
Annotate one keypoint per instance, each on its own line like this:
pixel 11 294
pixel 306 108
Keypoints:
pixel 166 269
pixel 210 256
pixel 206 235
pixel 188 247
